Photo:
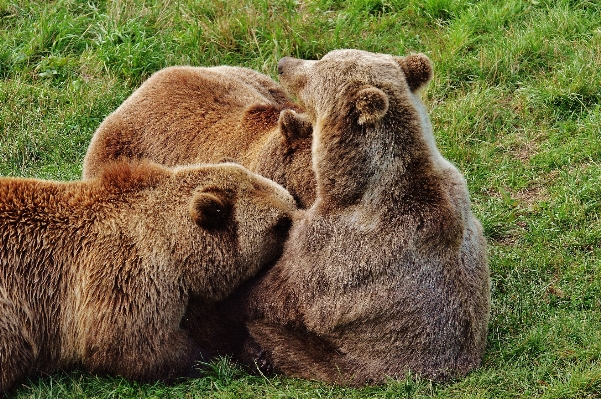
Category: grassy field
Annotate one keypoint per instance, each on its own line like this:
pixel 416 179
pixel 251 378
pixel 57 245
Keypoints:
pixel 515 104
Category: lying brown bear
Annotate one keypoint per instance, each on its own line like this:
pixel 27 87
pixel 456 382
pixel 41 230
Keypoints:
pixel 99 273
pixel 386 273
pixel 183 115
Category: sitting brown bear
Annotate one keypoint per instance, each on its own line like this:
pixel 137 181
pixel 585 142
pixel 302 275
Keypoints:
pixel 386 273
pixel 99 273
pixel 184 115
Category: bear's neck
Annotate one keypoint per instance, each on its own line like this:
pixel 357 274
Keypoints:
pixel 373 164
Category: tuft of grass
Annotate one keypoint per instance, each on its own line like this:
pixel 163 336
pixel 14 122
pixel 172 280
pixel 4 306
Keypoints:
pixel 515 103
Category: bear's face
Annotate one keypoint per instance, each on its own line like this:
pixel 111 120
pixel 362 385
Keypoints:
pixel 215 226
pixel 245 216
pixel 342 77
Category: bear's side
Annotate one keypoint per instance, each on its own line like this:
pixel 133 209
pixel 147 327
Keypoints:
pixel 56 222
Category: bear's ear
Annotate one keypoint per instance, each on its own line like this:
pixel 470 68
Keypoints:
pixel 372 104
pixel 294 125
pixel 417 68
pixel 210 209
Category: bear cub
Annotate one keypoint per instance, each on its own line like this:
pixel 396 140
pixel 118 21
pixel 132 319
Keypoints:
pixel 99 273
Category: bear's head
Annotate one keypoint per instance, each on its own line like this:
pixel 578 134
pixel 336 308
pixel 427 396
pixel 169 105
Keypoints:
pixel 214 226
pixel 365 112
pixel 352 76
pixel 286 156
pixel 245 218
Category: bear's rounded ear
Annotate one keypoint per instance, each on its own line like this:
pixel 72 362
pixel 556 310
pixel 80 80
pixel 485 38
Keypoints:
pixel 417 68
pixel 210 209
pixel 294 125
pixel 372 104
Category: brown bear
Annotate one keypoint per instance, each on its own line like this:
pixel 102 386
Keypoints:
pixel 183 115
pixel 387 272
pixel 99 273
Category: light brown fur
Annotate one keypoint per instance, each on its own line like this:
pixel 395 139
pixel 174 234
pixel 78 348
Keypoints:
pixel 386 273
pixel 184 115
pixel 99 273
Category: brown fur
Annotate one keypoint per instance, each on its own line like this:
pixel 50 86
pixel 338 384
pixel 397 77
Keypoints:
pixel 99 273
pixel 184 115
pixel 386 273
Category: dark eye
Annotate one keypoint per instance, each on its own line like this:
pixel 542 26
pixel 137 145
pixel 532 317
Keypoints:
pixel 283 226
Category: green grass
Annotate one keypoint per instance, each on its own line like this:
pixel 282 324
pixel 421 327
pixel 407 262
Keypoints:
pixel 515 103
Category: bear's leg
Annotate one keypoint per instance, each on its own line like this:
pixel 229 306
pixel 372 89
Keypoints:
pixel 16 346
pixel 218 329
pixel 143 356
pixel 296 354
pixel 166 359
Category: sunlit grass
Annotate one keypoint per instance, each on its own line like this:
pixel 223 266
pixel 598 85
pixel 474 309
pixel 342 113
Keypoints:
pixel 515 103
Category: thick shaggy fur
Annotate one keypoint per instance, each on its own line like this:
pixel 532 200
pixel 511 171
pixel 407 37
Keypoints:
pixel 99 273
pixel 184 115
pixel 387 272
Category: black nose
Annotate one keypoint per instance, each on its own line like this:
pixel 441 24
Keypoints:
pixel 283 226
pixel 281 64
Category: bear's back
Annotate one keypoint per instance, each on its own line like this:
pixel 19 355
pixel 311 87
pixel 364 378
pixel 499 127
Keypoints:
pixel 184 115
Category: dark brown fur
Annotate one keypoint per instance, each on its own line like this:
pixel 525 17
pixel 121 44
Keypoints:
pixel 99 273
pixel 184 115
pixel 386 273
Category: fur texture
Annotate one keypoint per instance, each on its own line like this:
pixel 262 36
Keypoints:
pixel 386 273
pixel 184 115
pixel 99 273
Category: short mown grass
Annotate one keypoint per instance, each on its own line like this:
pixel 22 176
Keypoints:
pixel 515 103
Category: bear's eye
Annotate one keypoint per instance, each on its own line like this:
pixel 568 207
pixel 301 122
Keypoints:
pixel 282 227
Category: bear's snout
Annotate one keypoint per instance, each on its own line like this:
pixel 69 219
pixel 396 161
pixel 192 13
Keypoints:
pixel 287 63
pixel 281 65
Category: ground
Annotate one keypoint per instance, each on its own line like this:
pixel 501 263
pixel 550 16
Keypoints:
pixel 515 104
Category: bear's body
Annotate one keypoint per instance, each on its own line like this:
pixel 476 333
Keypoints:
pixel 99 273
pixel 184 115
pixel 386 273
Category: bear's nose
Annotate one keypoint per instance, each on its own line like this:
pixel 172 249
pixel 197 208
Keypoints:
pixel 282 64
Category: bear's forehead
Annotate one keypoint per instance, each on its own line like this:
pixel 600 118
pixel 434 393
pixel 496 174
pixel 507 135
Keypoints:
pixel 358 56
pixel 357 63
pixel 225 175
pixel 355 67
